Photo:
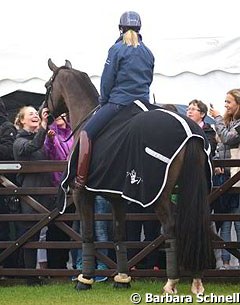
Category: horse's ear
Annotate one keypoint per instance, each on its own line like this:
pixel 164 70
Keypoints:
pixel 51 65
pixel 68 64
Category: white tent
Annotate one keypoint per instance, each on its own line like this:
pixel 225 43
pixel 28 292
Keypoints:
pixel 195 43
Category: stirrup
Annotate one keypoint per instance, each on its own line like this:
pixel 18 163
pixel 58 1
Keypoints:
pixel 79 183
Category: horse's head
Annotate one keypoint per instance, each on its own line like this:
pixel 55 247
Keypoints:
pixel 54 99
pixel 70 90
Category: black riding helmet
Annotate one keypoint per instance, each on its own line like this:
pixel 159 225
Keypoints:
pixel 130 20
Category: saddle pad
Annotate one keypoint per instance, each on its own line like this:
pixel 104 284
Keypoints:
pixel 132 154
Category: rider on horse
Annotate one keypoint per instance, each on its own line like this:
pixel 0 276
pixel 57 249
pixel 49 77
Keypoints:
pixel 127 76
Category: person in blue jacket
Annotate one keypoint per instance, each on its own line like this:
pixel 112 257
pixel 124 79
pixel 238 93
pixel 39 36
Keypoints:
pixel 127 76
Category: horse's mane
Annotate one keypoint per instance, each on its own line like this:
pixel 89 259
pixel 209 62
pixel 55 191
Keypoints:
pixel 87 84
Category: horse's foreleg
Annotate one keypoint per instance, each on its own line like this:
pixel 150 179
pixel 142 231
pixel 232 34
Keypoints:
pixel 85 202
pixel 118 210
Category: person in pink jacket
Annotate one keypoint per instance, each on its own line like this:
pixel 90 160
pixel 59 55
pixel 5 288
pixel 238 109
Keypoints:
pixel 57 148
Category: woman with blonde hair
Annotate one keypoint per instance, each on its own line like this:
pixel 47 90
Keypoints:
pixel 29 146
pixel 228 130
pixel 127 76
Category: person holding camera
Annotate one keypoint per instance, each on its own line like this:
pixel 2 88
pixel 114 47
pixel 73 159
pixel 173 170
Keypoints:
pixel 228 131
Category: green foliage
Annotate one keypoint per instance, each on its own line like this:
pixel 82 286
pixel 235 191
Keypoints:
pixel 101 293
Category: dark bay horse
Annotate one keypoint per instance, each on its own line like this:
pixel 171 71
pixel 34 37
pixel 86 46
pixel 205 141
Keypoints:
pixel 185 225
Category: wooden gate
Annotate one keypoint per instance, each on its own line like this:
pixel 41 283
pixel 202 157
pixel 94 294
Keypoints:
pixel 43 217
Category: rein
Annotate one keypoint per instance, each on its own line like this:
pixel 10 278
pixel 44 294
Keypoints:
pixel 79 125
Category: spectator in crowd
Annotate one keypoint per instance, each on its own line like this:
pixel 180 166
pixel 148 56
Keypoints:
pixel 228 130
pixel 57 146
pixel 58 143
pixel 29 146
pixel 225 202
pixel 197 111
pixel 7 136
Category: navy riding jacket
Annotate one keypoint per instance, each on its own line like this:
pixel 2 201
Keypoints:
pixel 127 74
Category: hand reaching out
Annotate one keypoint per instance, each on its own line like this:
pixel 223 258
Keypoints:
pixel 51 133
pixel 213 112
pixel 44 117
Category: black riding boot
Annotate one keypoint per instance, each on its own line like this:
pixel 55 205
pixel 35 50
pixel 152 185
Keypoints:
pixel 85 149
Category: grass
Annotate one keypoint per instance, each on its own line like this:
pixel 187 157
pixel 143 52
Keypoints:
pixel 101 293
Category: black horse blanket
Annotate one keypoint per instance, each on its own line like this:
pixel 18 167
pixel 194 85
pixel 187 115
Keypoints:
pixel 133 153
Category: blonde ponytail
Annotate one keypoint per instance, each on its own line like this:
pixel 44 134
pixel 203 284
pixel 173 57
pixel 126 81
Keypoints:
pixel 19 117
pixel 130 38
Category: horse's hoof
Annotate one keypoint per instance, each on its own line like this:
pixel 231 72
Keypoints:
pixel 121 285
pixel 170 290
pixel 83 283
pixel 197 286
pixel 81 286
pixel 171 286
pixel 122 280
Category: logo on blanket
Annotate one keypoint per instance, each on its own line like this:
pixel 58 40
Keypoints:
pixel 133 177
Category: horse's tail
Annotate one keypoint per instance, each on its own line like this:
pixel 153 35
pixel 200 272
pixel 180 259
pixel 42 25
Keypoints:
pixel 193 213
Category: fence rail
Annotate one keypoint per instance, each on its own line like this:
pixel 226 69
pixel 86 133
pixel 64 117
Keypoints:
pixel 43 216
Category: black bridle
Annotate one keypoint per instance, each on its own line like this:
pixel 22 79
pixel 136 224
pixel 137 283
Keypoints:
pixel 48 97
pixel 49 85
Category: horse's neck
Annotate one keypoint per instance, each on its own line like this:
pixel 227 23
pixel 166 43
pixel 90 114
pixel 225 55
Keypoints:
pixel 78 114
pixel 78 98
